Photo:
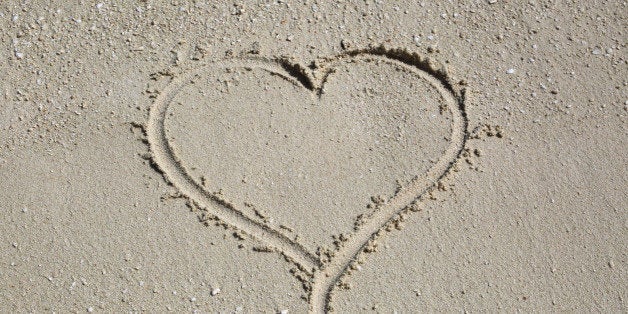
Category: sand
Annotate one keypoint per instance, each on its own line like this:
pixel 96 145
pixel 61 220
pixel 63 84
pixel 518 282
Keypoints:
pixel 359 156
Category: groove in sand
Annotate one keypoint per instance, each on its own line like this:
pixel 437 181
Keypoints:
pixel 324 275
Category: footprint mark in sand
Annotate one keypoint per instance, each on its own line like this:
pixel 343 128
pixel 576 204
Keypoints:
pixel 324 273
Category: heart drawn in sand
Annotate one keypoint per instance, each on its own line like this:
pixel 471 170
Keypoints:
pixel 297 156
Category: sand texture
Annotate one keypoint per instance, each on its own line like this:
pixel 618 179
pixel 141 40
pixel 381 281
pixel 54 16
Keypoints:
pixel 345 156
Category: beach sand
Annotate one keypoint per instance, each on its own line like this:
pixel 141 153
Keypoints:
pixel 346 156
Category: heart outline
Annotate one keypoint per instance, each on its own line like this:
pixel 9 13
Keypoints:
pixel 324 274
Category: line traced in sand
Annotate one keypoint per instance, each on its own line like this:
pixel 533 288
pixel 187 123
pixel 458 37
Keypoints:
pixel 325 275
